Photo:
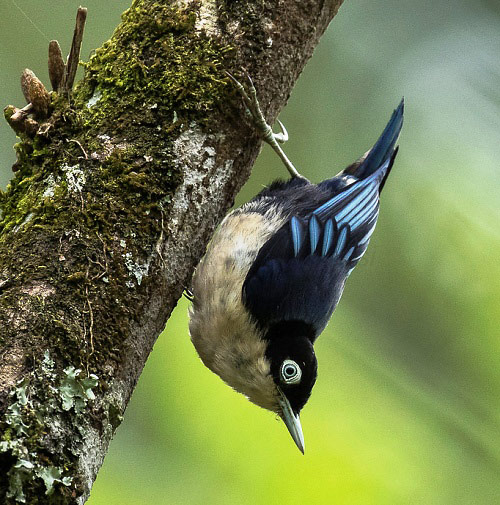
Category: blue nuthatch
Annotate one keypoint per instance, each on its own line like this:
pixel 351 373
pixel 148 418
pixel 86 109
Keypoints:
pixel 275 271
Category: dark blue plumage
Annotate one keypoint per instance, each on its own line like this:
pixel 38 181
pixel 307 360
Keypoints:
pixel 299 273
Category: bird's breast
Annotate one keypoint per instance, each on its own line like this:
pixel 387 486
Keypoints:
pixel 222 331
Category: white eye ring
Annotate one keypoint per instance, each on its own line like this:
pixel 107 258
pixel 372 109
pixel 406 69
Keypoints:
pixel 290 372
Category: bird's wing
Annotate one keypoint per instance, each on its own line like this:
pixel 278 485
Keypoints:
pixel 299 273
pixel 341 228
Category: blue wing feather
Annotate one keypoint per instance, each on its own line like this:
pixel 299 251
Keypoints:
pixel 314 233
pixel 293 276
pixel 348 254
pixel 296 234
pixel 328 236
pixel 340 242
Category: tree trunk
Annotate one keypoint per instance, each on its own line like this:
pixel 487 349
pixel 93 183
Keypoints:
pixel 116 193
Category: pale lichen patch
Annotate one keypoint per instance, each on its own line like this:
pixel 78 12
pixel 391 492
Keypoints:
pixel 192 146
pixel 75 177
pixel 136 269
pixel 94 98
pixel 50 190
pixel 108 147
pixel 25 221
pixel 31 415
pixel 208 17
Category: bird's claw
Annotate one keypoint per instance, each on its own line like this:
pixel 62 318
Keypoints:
pixel 281 137
pixel 253 110
pixel 249 95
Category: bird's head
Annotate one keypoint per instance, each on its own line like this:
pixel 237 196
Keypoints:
pixel 293 368
pixel 275 367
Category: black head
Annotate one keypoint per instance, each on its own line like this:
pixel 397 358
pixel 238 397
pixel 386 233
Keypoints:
pixel 293 362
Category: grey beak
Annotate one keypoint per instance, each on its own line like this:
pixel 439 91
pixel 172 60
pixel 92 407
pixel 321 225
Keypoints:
pixel 292 421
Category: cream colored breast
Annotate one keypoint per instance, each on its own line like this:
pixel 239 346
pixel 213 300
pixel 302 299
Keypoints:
pixel 227 340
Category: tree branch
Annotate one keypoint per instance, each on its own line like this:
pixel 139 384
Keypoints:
pixel 115 196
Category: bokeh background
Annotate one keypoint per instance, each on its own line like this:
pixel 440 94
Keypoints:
pixel 406 408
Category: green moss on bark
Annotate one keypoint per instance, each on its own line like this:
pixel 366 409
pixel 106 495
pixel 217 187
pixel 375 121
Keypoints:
pixel 172 77
pixel 141 87
pixel 80 220
pixel 154 76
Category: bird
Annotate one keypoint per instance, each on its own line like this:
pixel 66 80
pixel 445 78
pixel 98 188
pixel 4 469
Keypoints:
pixel 275 270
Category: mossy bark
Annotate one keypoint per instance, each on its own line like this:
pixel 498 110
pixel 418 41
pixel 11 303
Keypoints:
pixel 114 199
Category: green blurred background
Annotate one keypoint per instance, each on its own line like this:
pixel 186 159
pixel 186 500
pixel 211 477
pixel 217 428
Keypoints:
pixel 406 408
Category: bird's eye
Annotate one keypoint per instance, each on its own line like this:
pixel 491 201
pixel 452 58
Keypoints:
pixel 290 372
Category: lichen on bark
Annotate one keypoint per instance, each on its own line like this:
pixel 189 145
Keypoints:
pixel 93 191
pixel 33 420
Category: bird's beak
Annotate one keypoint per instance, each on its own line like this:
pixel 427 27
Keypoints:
pixel 291 420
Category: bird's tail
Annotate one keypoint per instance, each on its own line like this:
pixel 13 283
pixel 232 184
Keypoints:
pixel 383 149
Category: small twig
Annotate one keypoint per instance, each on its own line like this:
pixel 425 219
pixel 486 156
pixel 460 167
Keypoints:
pixel 105 266
pixel 91 314
pixel 74 54
pixel 14 114
pixel 5 283
pixel 81 147
pixel 20 121
pixel 159 242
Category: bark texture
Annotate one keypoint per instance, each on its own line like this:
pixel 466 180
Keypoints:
pixel 116 193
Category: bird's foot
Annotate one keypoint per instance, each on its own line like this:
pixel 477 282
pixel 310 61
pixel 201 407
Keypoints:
pixel 249 95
